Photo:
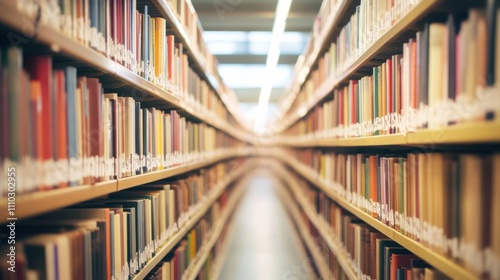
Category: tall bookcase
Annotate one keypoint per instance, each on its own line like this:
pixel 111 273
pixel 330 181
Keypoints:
pixel 391 123
pixel 150 54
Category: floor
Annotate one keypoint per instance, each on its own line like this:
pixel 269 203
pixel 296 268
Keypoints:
pixel 263 245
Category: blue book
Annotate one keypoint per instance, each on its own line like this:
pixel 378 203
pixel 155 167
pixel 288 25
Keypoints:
pixel 71 79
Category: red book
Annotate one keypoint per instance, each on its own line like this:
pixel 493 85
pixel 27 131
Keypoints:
pixel 390 99
pixel 126 27
pixel 398 261
pixel 40 69
pixel 352 91
pixel 119 21
pixel 96 130
pixel 341 107
pixel 36 113
pixel 84 120
pixel 60 122
pixel 114 22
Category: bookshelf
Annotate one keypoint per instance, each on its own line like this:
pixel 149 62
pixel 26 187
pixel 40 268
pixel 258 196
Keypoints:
pixel 59 44
pixel 200 62
pixel 195 267
pixel 323 229
pixel 193 102
pixel 342 115
pixel 478 133
pixel 319 44
pixel 422 9
pixel 31 204
pixel 319 262
pixel 450 268
pixel 174 240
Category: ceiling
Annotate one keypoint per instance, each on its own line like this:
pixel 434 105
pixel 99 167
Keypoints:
pixel 242 52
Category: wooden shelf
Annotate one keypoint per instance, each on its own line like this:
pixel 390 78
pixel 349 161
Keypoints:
pixel 467 133
pixel 59 43
pixel 193 220
pixel 32 204
pixel 417 13
pixel 332 23
pixel 325 232
pixel 194 268
pixel 319 262
pixel 129 182
pixel 448 267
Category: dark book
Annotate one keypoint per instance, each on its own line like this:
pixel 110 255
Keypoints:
pixel 40 69
pixel 380 252
pixel 401 273
pixel 12 90
pixel 389 252
pixel 492 7
pixel 145 139
pixel 423 65
pixel 96 130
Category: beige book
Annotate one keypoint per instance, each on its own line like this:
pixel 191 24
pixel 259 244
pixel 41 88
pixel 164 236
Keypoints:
pixel 471 204
pixel 437 45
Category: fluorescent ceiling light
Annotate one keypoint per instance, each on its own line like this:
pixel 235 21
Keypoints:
pixel 273 55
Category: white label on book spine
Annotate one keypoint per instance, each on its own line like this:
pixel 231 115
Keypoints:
pixel 134 264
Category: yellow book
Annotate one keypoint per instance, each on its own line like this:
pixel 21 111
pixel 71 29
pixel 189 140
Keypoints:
pixel 437 39
pixel 160 48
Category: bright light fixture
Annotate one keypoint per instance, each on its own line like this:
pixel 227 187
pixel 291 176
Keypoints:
pixel 273 55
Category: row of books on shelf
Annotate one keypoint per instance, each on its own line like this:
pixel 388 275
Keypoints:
pixel 369 253
pixel 179 261
pixel 64 129
pixel 126 32
pixel 445 201
pixel 321 26
pixel 434 80
pixel 371 20
pixel 115 237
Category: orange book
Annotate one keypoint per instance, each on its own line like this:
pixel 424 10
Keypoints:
pixel 40 69
pixel 159 47
pixel 170 57
pixel 36 111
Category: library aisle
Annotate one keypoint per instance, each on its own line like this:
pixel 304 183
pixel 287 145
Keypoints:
pixel 263 244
